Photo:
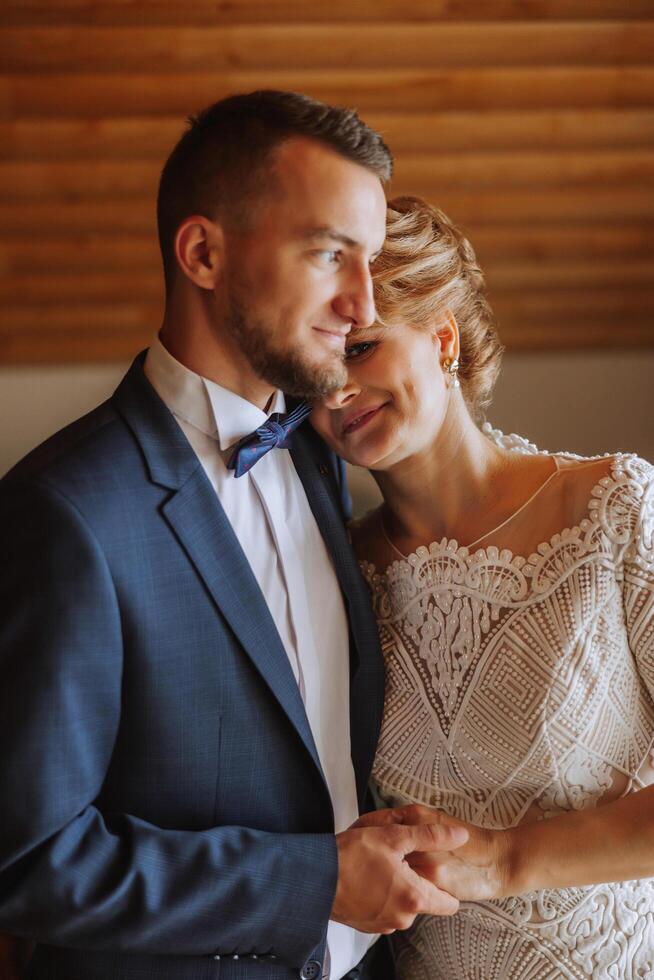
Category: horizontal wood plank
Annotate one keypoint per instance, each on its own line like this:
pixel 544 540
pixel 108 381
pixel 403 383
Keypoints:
pixel 107 346
pixel 147 138
pixel 603 302
pixel 85 252
pixel 100 287
pixel 72 180
pixel 53 218
pixel 105 139
pixel 208 12
pixel 601 205
pixel 67 95
pixel 473 209
pixel 537 129
pixel 503 276
pixel 118 316
pixel 477 171
pixel 162 50
pixel 563 243
pixel 577 333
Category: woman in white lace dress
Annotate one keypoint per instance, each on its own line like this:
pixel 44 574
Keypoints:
pixel 514 594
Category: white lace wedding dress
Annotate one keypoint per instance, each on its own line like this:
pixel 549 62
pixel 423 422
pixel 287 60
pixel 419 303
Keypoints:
pixel 519 688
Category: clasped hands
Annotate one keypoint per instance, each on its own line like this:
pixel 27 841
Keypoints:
pixel 398 863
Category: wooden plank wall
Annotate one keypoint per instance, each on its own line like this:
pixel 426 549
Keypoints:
pixel 530 121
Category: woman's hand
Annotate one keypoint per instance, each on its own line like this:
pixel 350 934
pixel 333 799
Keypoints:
pixel 476 871
pixel 610 842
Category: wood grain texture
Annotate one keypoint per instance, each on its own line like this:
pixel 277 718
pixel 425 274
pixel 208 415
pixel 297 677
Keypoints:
pixel 222 12
pixel 424 174
pixel 530 122
pixel 146 138
pixel 331 46
pixel 66 95
pixel 54 217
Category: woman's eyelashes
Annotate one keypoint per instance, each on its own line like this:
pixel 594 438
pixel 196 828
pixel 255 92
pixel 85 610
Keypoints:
pixel 354 351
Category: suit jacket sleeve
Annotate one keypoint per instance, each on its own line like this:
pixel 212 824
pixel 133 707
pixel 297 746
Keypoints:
pixel 71 874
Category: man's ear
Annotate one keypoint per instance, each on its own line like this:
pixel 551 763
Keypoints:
pixel 199 250
pixel 446 335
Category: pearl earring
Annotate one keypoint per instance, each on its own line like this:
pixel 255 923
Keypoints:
pixel 451 366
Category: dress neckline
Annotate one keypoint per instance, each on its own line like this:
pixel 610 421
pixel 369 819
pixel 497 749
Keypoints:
pixel 498 527
pixel 452 546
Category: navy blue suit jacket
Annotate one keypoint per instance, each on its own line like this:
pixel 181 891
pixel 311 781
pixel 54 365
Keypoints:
pixel 161 799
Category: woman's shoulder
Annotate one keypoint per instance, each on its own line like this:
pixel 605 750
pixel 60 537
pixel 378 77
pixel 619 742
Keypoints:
pixel 517 444
pixel 619 490
pixel 612 474
pixel 623 501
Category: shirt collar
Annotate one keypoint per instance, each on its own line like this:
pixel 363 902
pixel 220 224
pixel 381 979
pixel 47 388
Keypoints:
pixel 218 412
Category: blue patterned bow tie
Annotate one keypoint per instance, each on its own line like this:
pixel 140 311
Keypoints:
pixel 273 434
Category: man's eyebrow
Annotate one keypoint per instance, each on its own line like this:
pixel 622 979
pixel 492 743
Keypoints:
pixel 337 236
pixel 326 232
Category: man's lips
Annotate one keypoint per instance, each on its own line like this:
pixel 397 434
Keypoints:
pixel 360 418
pixel 334 335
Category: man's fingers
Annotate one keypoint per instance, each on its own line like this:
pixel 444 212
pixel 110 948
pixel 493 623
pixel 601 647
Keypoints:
pixel 415 813
pixel 433 900
pixel 379 818
pixel 432 837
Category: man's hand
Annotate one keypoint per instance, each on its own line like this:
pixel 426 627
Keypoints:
pixel 476 871
pixel 378 890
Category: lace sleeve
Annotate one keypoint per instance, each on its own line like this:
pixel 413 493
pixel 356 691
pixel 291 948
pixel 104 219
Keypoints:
pixel 638 587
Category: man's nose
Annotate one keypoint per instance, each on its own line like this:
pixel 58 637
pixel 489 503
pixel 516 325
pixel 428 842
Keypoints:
pixel 355 301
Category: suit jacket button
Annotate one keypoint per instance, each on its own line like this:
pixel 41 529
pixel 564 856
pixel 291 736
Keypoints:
pixel 311 970
pixel 323 470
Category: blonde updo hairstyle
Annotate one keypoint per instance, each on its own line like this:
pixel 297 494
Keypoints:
pixel 427 268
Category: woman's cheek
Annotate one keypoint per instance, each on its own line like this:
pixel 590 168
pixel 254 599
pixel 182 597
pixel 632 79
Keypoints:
pixel 321 421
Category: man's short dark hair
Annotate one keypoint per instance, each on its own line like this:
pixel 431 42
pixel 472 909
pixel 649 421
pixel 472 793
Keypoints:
pixel 219 165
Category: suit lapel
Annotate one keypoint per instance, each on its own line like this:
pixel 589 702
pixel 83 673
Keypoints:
pixel 202 528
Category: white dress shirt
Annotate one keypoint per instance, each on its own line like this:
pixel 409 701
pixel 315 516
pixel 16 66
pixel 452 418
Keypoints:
pixel 270 514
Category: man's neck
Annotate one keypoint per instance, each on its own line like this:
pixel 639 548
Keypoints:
pixel 217 358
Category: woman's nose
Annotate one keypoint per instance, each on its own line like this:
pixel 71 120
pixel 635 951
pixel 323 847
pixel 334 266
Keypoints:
pixel 341 397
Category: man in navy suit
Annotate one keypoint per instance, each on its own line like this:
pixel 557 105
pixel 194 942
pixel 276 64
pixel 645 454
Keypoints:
pixel 191 680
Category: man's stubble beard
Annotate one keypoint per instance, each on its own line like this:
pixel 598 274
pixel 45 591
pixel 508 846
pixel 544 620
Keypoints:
pixel 283 368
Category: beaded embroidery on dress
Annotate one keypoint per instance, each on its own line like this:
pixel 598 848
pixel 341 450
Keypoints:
pixel 519 688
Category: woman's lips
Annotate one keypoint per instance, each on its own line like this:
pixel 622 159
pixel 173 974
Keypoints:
pixel 359 420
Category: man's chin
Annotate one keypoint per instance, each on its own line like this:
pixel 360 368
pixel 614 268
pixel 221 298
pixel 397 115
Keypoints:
pixel 308 380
